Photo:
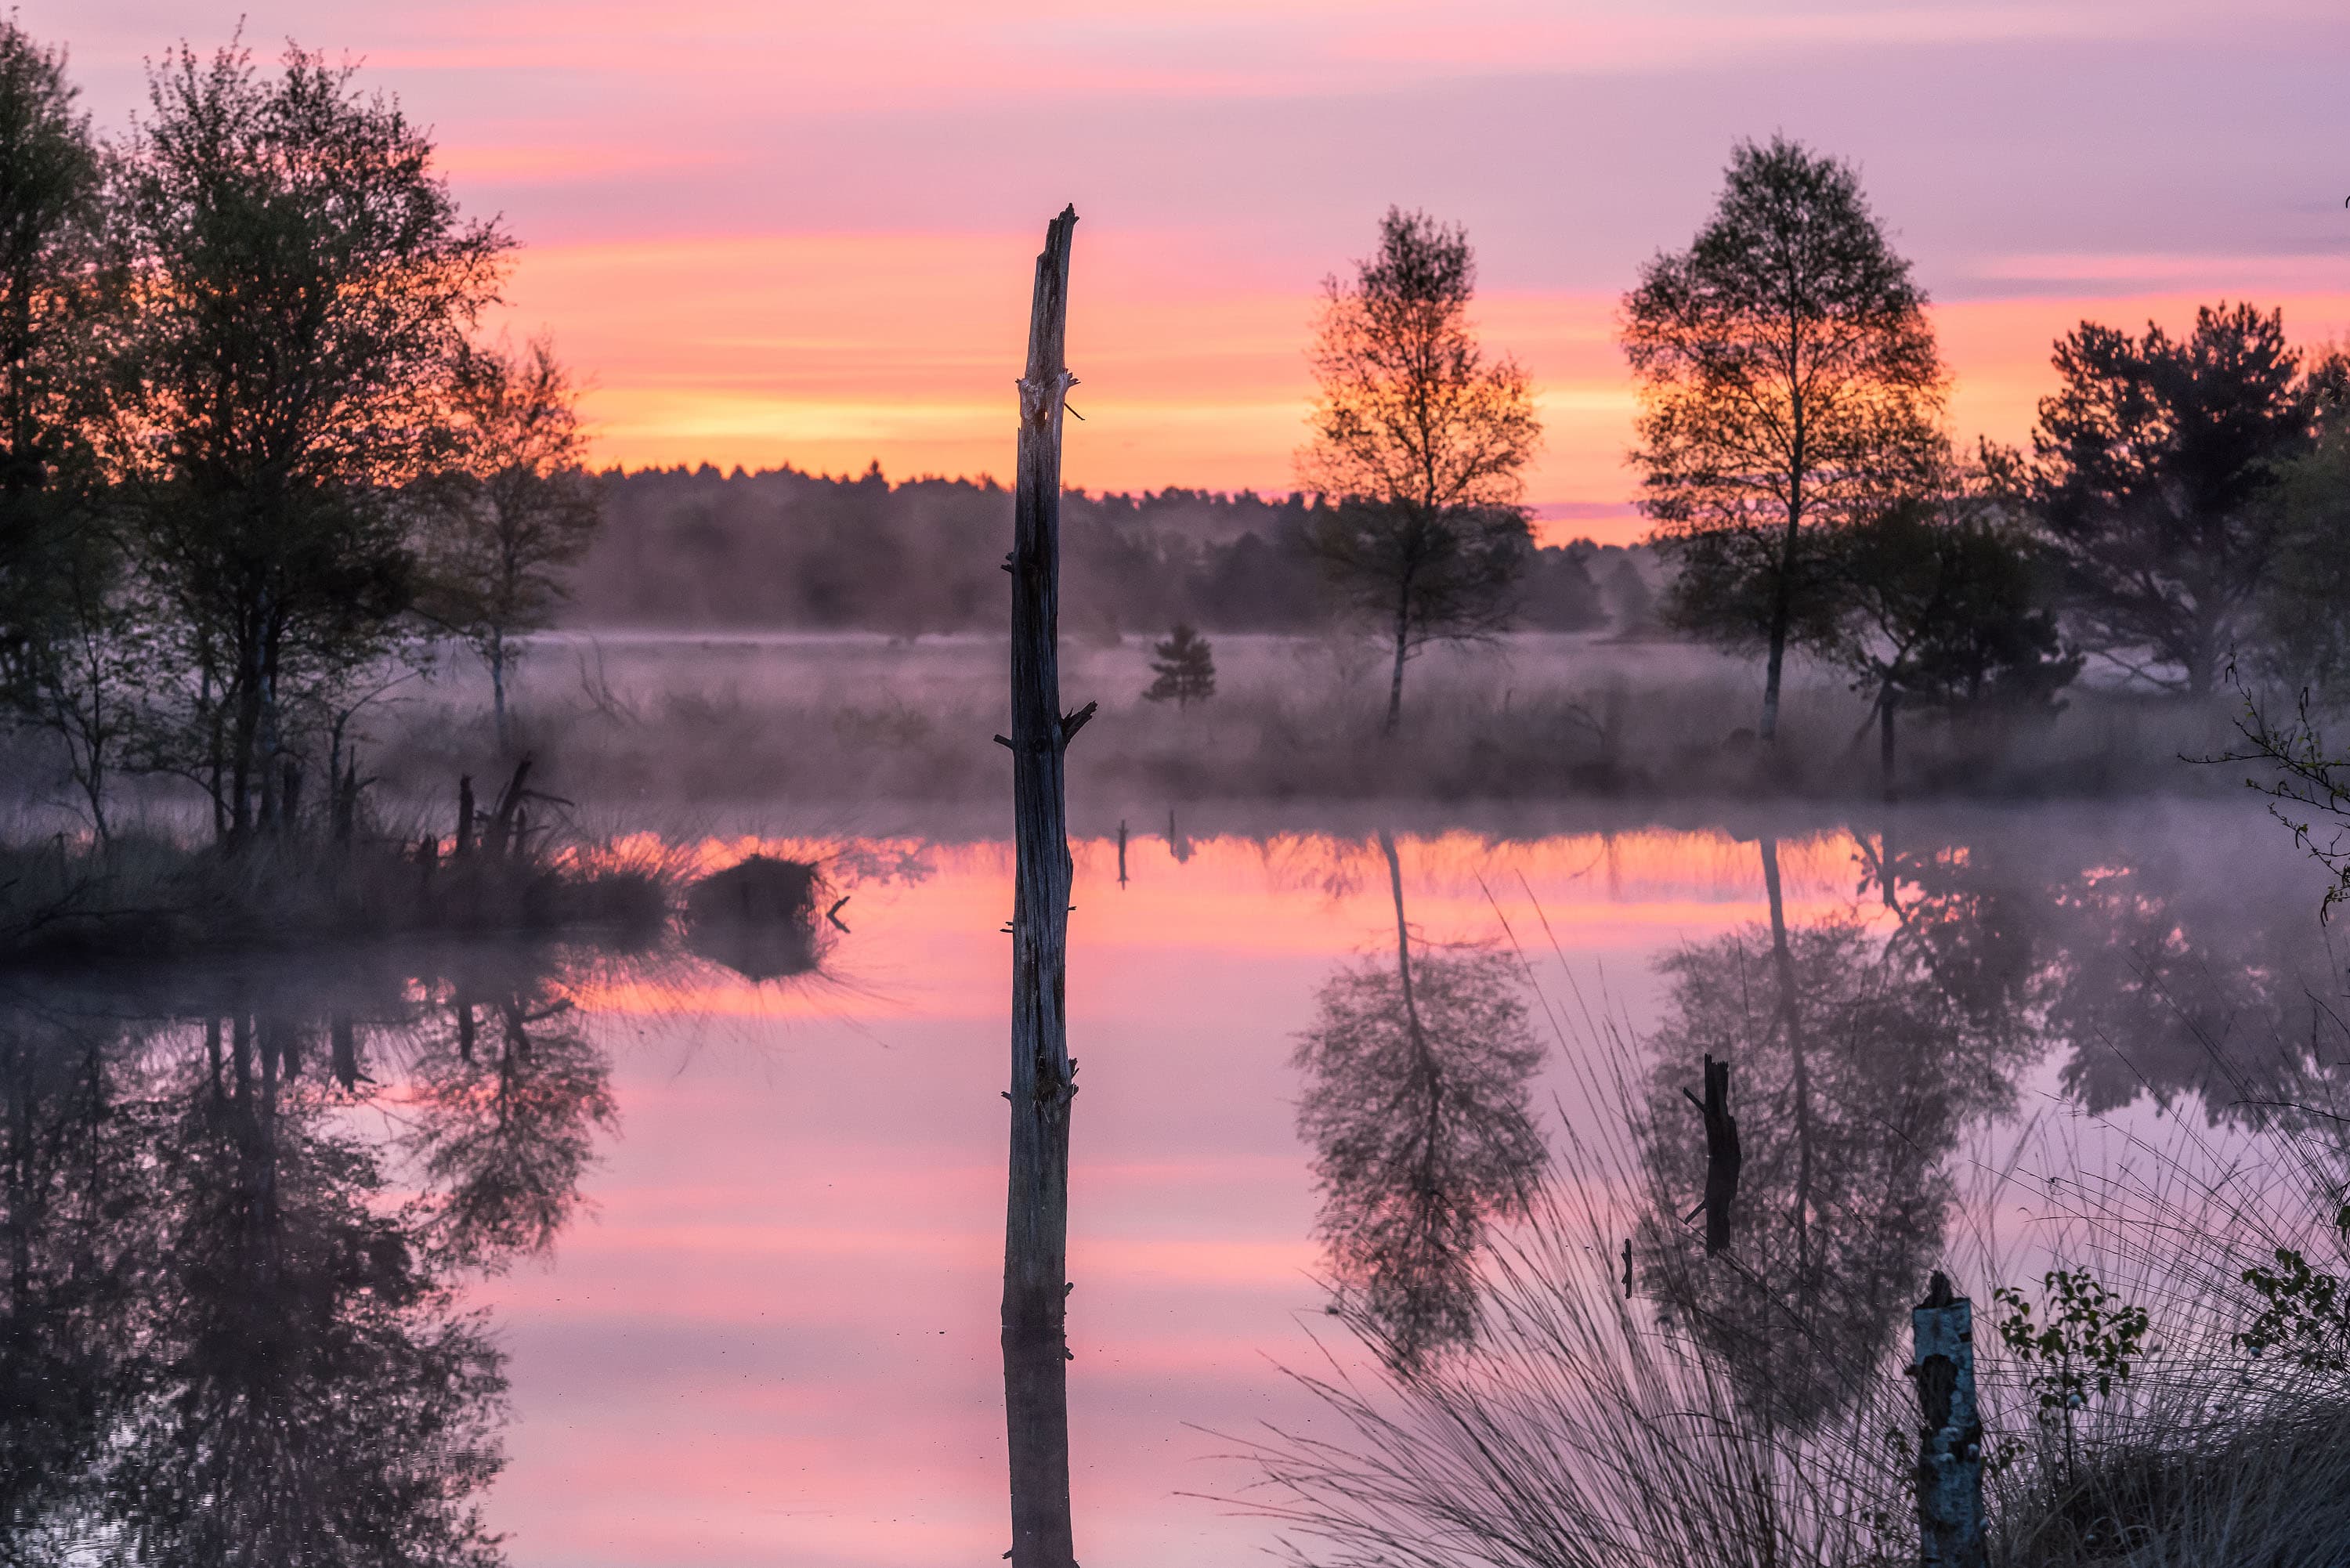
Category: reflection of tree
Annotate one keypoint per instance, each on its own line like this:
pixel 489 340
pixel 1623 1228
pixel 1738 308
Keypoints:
pixel 1853 1070
pixel 312 1396
pixel 2167 984
pixel 64 1353
pixel 505 1125
pixel 1974 916
pixel 1417 1106
pixel 230 1334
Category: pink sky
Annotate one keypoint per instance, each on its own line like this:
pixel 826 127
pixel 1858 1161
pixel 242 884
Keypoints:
pixel 790 233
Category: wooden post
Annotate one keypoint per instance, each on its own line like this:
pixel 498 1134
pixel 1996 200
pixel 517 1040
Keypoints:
pixel 1722 1158
pixel 1950 1437
pixel 1036 1210
pixel 1121 852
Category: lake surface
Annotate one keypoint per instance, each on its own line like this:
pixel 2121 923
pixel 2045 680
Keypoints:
pixel 735 1244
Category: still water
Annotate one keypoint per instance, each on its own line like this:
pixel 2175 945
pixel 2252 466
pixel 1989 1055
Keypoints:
pixel 733 1245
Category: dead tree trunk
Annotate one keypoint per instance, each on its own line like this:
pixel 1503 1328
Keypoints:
pixel 1949 1436
pixel 1722 1158
pixel 1036 1211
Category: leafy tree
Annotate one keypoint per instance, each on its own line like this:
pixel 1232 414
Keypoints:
pixel 1422 442
pixel 303 285
pixel 2304 614
pixel 1943 609
pixel 2087 1342
pixel 520 504
pixel 1789 384
pixel 1186 668
pixel 2154 474
pixel 64 630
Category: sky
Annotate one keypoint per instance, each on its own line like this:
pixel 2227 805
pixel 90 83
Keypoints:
pixel 786 233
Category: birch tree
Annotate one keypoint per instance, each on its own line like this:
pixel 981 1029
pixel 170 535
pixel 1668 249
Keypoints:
pixel 518 506
pixel 1422 442
pixel 1789 383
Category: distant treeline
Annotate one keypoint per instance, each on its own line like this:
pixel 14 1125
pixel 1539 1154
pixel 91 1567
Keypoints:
pixel 780 547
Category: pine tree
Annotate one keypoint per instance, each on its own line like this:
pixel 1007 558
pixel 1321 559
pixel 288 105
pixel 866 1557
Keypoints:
pixel 1186 668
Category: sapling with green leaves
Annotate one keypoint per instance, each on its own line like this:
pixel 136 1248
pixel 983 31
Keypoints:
pixel 2085 1344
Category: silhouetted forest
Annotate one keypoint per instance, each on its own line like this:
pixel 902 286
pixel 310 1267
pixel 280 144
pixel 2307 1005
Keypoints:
pixel 782 548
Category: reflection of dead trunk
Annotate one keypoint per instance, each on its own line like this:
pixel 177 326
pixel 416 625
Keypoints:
pixel 1722 1155
pixel 1423 1061
pixel 1121 852
pixel 1036 1215
pixel 345 1043
pixel 1791 1021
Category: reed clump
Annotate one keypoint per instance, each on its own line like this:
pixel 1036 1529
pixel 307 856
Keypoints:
pixel 152 897
pixel 1593 1421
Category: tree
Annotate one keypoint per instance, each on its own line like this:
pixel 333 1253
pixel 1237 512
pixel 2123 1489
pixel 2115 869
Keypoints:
pixel 1942 608
pixel 1789 381
pixel 1422 442
pixel 519 505
pixel 1186 668
pixel 301 285
pixel 2304 613
pixel 2154 472
pixel 64 636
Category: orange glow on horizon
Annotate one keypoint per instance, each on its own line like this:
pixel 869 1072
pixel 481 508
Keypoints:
pixel 829 352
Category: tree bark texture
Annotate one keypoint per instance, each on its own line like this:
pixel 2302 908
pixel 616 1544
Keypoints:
pixel 1036 1211
pixel 1949 1439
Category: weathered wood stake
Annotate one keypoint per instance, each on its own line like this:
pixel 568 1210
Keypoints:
pixel 1950 1437
pixel 1722 1158
pixel 1036 1211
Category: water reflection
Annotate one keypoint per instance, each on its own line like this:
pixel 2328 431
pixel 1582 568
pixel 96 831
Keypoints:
pixel 237 1199
pixel 1865 1045
pixel 1853 1072
pixel 1417 1106
pixel 239 1208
